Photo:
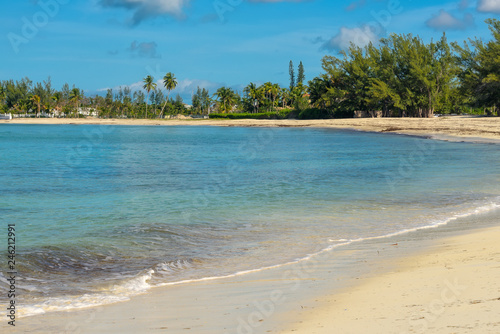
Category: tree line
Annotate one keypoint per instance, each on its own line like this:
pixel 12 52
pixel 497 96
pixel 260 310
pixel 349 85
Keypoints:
pixel 401 76
pixel 404 76
pixel 24 96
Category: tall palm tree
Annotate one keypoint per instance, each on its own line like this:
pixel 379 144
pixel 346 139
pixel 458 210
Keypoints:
pixel 169 82
pixel 75 96
pixel 36 100
pixel 149 85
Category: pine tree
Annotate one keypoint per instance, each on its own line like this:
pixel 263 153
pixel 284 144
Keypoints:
pixel 301 77
pixel 292 75
pixel 480 69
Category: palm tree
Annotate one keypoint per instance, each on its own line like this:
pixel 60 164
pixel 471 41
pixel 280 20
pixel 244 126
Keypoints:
pixel 253 92
pixel 285 94
pixel 149 85
pixel 57 98
pixel 298 95
pixel 169 82
pixel 274 91
pixel 268 91
pixel 36 100
pixel 75 96
pixel 225 96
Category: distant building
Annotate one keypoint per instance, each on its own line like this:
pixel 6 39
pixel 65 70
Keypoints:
pixel 88 112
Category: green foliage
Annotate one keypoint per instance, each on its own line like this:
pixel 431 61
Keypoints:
pixel 267 96
pixel 301 76
pixel 267 115
pixel 170 83
pixel 315 113
pixel 227 99
pixel 479 65
pixel 343 113
pixel 403 76
pixel 149 85
pixel 201 101
pixel 291 72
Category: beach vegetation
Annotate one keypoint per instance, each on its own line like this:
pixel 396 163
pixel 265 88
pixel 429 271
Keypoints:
pixel 201 101
pixel 75 96
pixel 149 85
pixel 291 72
pixel 301 76
pixel 479 70
pixel 169 82
pixel 264 115
pixel 226 99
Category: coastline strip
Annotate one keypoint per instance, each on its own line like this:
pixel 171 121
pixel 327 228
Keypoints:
pixel 452 128
pixel 130 300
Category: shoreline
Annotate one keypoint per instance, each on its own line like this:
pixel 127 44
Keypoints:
pixel 451 287
pixel 271 300
pixel 450 128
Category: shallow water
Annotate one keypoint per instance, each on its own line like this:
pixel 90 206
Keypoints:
pixel 105 212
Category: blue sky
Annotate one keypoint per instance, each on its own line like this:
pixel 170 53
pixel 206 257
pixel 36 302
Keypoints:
pixel 100 44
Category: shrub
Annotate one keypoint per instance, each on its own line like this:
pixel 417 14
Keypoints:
pixel 343 113
pixel 315 113
pixel 268 115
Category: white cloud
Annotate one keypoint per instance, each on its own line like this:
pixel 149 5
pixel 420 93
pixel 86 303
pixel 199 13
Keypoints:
pixel 358 36
pixel 144 9
pixel 489 6
pixel 445 20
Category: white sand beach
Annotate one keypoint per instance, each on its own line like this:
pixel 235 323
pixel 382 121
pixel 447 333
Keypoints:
pixel 452 287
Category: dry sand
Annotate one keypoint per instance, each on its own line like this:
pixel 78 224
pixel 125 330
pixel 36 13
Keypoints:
pixel 452 288
pixel 449 128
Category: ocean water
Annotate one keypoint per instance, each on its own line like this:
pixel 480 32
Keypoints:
pixel 106 212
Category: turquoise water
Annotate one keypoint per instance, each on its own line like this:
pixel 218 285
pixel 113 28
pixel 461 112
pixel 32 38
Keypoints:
pixel 105 212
